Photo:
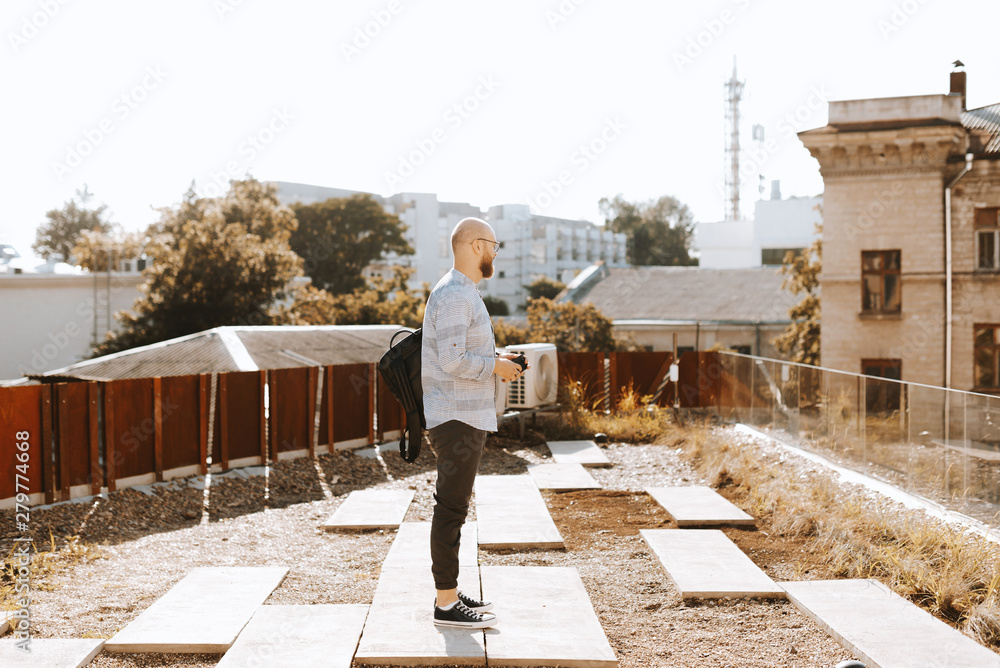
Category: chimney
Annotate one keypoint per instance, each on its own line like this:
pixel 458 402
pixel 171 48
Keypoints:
pixel 958 81
pixel 775 189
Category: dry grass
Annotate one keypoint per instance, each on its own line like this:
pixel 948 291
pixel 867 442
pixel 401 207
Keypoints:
pixel 47 560
pixel 634 420
pixel 954 574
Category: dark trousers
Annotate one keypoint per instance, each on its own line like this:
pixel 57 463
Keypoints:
pixel 459 448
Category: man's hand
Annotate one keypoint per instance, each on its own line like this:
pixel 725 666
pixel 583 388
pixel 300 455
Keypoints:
pixel 506 369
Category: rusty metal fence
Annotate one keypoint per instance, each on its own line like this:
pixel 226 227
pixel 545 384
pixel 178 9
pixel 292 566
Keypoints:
pixel 80 437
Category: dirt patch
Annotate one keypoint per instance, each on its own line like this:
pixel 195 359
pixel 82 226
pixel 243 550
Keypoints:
pixel 588 519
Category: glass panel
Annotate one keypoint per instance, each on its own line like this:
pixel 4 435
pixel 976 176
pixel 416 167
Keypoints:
pixel 886 451
pixel 892 260
pixel 872 296
pixel 984 336
pixel 943 445
pixel 893 298
pixel 982 431
pixel 871 260
pixel 987 258
pixel 985 368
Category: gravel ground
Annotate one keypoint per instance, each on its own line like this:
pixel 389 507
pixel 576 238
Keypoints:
pixel 145 541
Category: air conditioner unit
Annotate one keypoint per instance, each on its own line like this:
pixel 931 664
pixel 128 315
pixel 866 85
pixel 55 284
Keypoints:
pixel 539 386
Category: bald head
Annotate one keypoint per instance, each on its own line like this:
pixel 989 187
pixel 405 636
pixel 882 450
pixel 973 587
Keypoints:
pixel 472 243
pixel 467 231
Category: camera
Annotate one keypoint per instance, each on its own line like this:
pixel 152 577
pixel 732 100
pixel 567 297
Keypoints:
pixel 520 361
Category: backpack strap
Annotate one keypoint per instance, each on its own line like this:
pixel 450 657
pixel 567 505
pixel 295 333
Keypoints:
pixel 410 451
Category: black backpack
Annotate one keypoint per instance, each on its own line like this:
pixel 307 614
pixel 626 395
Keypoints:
pixel 399 369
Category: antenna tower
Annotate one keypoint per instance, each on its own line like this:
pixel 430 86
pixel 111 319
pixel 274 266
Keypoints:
pixel 734 91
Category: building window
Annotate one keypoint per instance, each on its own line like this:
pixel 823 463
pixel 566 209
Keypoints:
pixel 776 256
pixel 987 356
pixel 880 286
pixel 538 252
pixel 882 398
pixel 501 274
pixel 988 239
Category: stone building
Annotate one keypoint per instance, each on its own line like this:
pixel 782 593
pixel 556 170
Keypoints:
pixel 910 279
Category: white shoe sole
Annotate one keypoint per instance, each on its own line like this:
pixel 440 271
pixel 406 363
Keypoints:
pixel 485 624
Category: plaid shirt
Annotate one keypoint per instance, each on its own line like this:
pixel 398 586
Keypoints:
pixel 458 355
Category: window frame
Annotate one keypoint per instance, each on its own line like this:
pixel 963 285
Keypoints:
pixel 987 222
pixel 882 273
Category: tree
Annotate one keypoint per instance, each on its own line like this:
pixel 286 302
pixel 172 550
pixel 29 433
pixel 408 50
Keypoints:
pixel 572 327
pixel 60 233
pixel 801 339
pixel 94 248
pixel 659 231
pixel 338 238
pixel 496 306
pixel 219 261
pixel 544 287
pixel 508 334
pixel 383 301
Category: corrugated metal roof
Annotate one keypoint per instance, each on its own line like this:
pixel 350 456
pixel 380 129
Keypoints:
pixel 987 119
pixel 220 350
pixel 691 294
pixel 276 347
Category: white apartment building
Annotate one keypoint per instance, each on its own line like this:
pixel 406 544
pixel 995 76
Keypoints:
pixel 778 225
pixel 533 246
pixel 537 246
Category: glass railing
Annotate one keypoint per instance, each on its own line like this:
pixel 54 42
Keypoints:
pixel 941 444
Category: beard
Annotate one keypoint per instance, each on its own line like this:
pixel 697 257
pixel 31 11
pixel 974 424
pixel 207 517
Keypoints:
pixel 486 267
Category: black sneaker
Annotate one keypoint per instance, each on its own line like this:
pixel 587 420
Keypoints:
pixel 460 616
pixel 474 604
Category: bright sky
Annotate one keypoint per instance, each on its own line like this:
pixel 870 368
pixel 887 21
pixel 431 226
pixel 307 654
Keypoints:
pixel 480 102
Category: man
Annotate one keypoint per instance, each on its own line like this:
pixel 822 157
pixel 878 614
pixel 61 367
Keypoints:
pixel 458 362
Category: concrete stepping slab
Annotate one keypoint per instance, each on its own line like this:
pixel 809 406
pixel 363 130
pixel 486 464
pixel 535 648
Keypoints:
pixel 400 628
pixel 883 629
pixel 304 636
pixel 698 506
pixel 204 612
pixel 371 509
pixel 704 563
pixel 49 652
pixel 510 512
pixel 562 477
pixel 544 618
pixel 585 453
pixel 412 547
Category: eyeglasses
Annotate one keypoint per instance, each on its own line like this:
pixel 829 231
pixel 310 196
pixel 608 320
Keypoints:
pixel 496 244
